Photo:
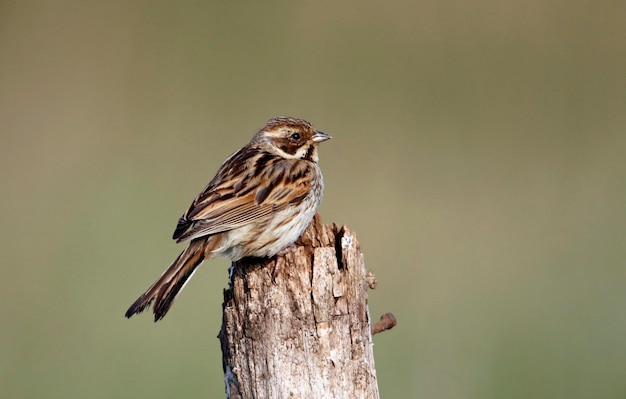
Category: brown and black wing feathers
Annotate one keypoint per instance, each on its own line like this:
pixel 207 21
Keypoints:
pixel 238 196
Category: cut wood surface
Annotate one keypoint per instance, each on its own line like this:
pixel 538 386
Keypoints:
pixel 307 334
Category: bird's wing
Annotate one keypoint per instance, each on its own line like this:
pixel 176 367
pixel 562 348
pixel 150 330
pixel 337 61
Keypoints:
pixel 248 188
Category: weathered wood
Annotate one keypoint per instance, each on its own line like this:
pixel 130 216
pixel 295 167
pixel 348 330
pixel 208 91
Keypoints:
pixel 307 335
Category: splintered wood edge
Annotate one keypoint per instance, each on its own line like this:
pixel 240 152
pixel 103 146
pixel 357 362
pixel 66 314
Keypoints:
pixel 320 235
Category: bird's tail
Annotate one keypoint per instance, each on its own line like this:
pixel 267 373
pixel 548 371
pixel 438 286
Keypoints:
pixel 166 288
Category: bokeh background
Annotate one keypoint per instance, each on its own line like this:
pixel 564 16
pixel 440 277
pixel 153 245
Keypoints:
pixel 478 153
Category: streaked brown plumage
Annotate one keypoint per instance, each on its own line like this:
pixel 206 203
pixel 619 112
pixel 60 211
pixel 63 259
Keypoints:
pixel 259 202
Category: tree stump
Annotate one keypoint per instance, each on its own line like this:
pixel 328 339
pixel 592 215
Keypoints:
pixel 307 334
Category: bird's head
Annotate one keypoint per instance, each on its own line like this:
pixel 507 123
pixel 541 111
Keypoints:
pixel 290 138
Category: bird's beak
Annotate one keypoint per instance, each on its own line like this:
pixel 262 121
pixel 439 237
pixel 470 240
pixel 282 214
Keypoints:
pixel 320 136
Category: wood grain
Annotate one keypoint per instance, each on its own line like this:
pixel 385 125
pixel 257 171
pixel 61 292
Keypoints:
pixel 307 335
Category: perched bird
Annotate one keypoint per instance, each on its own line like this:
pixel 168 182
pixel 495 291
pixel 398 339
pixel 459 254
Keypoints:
pixel 260 201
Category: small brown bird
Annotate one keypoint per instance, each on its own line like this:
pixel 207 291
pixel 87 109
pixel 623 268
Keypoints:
pixel 259 202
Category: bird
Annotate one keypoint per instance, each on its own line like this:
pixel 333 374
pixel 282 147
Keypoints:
pixel 258 204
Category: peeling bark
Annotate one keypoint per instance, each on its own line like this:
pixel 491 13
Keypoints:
pixel 307 335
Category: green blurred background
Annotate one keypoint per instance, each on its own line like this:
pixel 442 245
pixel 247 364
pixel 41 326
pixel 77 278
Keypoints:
pixel 478 153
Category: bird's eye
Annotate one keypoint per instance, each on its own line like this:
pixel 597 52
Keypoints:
pixel 295 136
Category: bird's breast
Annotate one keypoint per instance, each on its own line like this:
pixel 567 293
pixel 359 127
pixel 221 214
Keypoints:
pixel 265 238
